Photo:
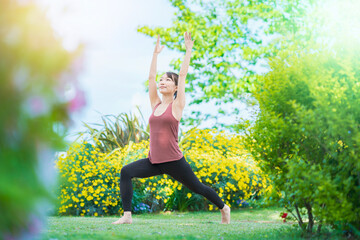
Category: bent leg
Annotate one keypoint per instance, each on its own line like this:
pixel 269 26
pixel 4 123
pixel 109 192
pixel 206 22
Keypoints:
pixel 141 168
pixel 181 171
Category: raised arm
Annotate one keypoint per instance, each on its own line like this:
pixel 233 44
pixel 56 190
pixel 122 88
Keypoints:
pixel 180 98
pixel 154 97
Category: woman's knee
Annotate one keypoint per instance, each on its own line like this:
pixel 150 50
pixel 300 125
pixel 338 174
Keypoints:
pixel 125 171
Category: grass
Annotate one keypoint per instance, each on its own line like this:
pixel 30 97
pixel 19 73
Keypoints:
pixel 245 224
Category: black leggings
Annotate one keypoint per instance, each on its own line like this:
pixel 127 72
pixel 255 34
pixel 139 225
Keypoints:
pixel 180 170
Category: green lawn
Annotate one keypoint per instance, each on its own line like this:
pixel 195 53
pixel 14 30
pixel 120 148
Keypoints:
pixel 245 224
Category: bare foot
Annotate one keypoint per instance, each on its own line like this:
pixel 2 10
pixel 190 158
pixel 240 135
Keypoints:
pixel 124 219
pixel 225 214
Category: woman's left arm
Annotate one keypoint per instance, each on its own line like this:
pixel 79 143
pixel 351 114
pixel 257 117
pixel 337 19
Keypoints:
pixel 180 97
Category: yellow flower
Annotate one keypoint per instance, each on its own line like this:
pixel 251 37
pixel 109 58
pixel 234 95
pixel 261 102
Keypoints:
pixel 211 207
pixel 74 199
pixel 205 150
pixel 82 204
pixel 95 214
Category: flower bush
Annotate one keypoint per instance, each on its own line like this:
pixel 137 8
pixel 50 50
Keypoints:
pixel 90 180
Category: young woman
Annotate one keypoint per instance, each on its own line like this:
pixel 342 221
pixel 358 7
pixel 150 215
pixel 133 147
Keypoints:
pixel 164 156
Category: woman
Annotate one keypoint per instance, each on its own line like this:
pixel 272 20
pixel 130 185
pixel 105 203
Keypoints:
pixel 164 156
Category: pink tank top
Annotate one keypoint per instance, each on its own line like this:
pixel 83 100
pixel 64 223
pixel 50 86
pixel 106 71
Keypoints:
pixel 164 145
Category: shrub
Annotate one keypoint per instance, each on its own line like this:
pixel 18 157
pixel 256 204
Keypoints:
pixel 306 137
pixel 90 179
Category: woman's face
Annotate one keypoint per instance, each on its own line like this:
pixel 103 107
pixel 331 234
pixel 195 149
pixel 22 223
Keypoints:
pixel 166 85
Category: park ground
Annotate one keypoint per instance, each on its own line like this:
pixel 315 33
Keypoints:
pixel 246 223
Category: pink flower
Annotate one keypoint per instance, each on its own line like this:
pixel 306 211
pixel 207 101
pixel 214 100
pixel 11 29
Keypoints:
pixel 35 106
pixel 78 102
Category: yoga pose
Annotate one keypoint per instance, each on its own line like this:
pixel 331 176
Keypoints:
pixel 164 156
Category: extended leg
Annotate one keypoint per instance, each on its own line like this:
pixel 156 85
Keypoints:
pixel 181 171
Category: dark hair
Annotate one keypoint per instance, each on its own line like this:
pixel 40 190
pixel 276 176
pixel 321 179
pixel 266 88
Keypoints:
pixel 175 78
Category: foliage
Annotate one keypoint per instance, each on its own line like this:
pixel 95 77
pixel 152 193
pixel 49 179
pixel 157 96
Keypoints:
pixel 306 136
pixel 116 134
pixel 33 67
pixel 232 39
pixel 124 130
pixel 90 179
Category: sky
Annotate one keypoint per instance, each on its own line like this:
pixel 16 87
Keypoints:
pixel 117 57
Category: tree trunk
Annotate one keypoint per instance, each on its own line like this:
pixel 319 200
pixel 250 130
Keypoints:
pixel 299 216
pixel 311 218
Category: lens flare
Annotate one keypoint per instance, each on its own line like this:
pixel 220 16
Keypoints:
pixel 341 21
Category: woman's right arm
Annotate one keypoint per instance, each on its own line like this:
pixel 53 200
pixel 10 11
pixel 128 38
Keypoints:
pixel 154 97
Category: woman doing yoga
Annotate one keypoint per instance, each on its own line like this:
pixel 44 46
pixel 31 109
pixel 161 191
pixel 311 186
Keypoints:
pixel 165 156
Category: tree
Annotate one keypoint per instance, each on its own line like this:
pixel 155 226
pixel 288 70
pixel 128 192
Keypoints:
pixel 231 39
pixel 306 135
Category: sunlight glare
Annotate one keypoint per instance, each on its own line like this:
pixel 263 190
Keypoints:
pixel 342 21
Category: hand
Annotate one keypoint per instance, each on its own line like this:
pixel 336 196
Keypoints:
pixel 158 48
pixel 188 42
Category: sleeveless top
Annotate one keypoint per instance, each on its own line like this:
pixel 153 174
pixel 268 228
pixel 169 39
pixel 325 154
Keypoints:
pixel 164 145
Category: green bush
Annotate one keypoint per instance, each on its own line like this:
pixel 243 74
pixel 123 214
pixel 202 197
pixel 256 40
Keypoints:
pixel 307 136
